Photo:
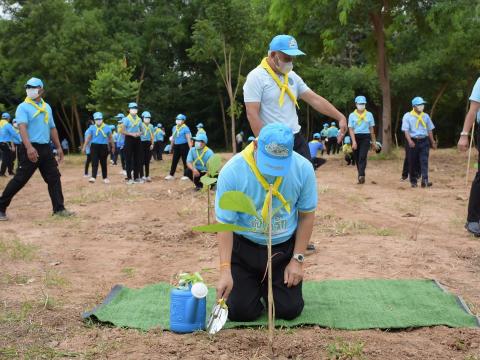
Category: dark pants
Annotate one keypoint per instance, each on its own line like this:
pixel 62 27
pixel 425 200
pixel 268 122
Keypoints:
pixel 350 159
pixel 474 202
pixel 7 160
pixel 179 151
pixel 418 157
pixel 250 284
pixel 48 169
pixel 332 146
pixel 160 149
pixel 121 152
pixel 406 165
pixel 300 145
pixel 133 156
pixel 114 155
pixel 99 153
pixel 196 179
pixel 317 162
pixel 147 156
pixel 88 160
pixel 360 155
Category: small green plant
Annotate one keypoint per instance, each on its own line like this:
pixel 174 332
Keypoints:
pixel 342 350
pixel 17 250
pixel 210 178
pixel 128 271
pixel 54 279
pixel 186 279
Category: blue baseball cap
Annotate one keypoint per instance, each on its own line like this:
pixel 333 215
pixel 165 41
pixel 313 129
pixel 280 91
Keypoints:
pixel 325 125
pixel 418 101
pixel 34 82
pixel 146 114
pixel 316 136
pixel 251 138
pixel 112 127
pixel 333 123
pixel 5 115
pixel 275 149
pixel 200 125
pixel 347 140
pixel 360 99
pixel 97 116
pixel 286 44
pixel 201 137
pixel 119 116
pixel 132 105
pixel 181 117
pixel 159 125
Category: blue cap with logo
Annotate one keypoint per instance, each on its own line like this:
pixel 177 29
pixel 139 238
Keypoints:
pixel 200 125
pixel 360 99
pixel 119 116
pixel 201 137
pixel 275 149
pixel 34 82
pixel 418 101
pixel 316 136
pixel 97 116
pixel 146 114
pixel 5 115
pixel 181 117
pixel 347 140
pixel 132 105
pixel 286 44
pixel 251 138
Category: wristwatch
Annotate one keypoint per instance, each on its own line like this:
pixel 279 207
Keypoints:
pixel 299 257
pixel 464 133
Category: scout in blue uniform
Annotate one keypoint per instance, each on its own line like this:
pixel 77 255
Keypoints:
pixel 147 139
pixel 361 126
pixel 348 151
pixel 180 146
pixel 88 157
pixel 17 141
pixel 332 139
pixel 315 146
pixel 197 159
pixel 243 254
pixel 324 133
pixel 473 115
pixel 132 128
pixel 99 135
pixel 6 144
pixel 159 142
pixel 200 129
pixel 418 129
pixel 120 143
pixel 35 120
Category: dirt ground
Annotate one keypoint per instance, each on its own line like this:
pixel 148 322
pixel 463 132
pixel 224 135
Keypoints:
pixel 53 269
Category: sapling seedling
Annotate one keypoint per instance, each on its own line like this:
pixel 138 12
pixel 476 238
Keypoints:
pixel 210 178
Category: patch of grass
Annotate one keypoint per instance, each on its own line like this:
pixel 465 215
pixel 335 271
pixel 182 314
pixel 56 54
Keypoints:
pixel 17 250
pixel 45 352
pixel 90 195
pixel 393 155
pixel 322 189
pixel 343 350
pixel 16 279
pixel 471 357
pixel 10 315
pixel 54 279
pixel 9 353
pixel 384 232
pixel 128 271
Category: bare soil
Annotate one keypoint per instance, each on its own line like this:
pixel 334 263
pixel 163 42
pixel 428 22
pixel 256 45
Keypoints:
pixel 53 269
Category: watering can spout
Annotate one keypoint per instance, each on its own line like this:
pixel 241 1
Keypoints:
pixel 199 291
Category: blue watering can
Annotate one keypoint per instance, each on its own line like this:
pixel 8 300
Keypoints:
pixel 188 308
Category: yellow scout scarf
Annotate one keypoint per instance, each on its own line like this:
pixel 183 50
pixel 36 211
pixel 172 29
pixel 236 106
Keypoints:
pixel 361 117
pixel 134 123
pixel 147 130
pixel 177 130
pixel 283 86
pixel 247 154
pixel 200 156
pixel 419 119
pixel 100 129
pixel 42 109
pixel 3 122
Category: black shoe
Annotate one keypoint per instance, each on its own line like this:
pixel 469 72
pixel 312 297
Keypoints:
pixel 311 247
pixel 426 184
pixel 403 178
pixel 198 188
pixel 64 213
pixel 473 227
pixel 361 179
pixel 414 185
pixel 3 216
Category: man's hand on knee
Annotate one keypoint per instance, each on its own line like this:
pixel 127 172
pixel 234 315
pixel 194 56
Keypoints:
pixel 293 273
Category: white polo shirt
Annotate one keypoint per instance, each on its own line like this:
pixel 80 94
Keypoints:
pixel 260 87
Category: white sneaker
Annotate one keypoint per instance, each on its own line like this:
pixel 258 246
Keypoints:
pixel 92 180
pixel 148 179
pixel 139 181
pixel 169 177
pixel 184 178
pixel 86 175
pixel 130 182
pixel 106 181
pixel 144 178
pixel 123 172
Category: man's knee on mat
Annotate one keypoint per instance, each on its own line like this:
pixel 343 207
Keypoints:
pixel 290 310
pixel 244 312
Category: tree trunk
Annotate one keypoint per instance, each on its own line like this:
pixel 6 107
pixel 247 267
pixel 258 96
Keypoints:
pixel 437 98
pixel 377 19
pixel 224 120
pixel 76 116
pixel 66 126
pixel 232 119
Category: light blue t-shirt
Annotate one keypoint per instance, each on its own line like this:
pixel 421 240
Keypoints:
pixel 180 137
pixel 409 123
pixel 364 126
pixel 38 130
pixel 159 135
pixel 315 146
pixel 9 134
pixel 16 138
pixel 133 127
pixel 193 155
pixel 260 87
pixel 87 147
pixel 299 188
pixel 332 131
pixel 476 96
pixel 97 137
pixel 324 133
pixel 147 133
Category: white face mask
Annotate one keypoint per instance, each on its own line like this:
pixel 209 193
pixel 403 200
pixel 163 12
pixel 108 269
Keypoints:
pixel 98 122
pixel 33 93
pixel 360 107
pixel 284 67
pixel 133 112
pixel 178 122
pixel 420 107
pixel 146 120
pixel 15 125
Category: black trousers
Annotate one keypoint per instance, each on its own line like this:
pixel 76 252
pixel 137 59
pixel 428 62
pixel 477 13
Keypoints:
pixel 332 146
pixel 133 156
pixel 48 169
pixel 7 159
pixel 360 155
pixel 99 153
pixel 300 145
pixel 196 179
pixel 406 165
pixel 317 162
pixel 350 159
pixel 418 158
pixel 122 157
pixel 114 155
pixel 88 160
pixel 158 149
pixel 179 151
pixel 147 156
pixel 250 285
pixel 474 201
